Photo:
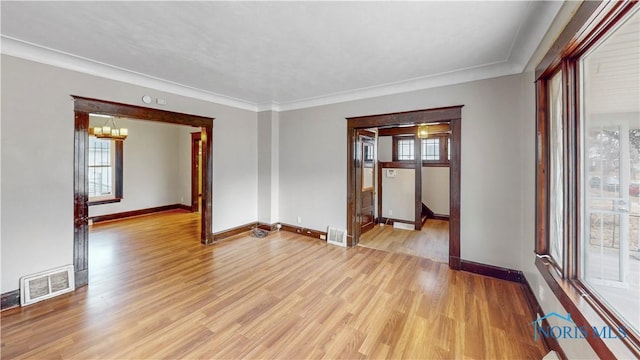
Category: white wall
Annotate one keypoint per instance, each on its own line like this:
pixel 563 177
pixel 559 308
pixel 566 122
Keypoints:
pixel 398 195
pixel 153 166
pixel 385 148
pixel 435 189
pixel 268 170
pixel 37 128
pixel 313 162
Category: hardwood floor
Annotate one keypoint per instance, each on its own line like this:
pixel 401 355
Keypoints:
pixel 156 292
pixel 432 242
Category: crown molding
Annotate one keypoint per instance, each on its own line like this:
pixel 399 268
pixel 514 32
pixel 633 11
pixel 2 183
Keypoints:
pixel 41 54
pixel 488 71
pixel 28 51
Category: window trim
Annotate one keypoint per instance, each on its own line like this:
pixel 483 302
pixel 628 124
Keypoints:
pixel 118 170
pixel 590 23
pixel 444 149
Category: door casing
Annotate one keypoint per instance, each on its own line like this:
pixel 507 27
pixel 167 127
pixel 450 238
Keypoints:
pixel 82 108
pixel 453 115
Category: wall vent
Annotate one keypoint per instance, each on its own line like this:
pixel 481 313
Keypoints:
pixel 337 236
pixel 47 284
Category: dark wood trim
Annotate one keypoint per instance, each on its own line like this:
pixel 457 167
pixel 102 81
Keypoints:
pixel 268 227
pixel 550 342
pixel 82 108
pixel 10 299
pixel 440 217
pixel 234 231
pixel 80 197
pixel 96 106
pixel 304 231
pixel 106 201
pixel 184 207
pixel 454 194
pixel 453 115
pixel 492 271
pixel 573 301
pixel 195 155
pixel 542 168
pixel 397 165
pixel 119 169
pixel 417 201
pixel 379 190
pixel 127 214
pixel 589 25
pixel 551 60
pixel 414 117
pixel 207 184
pixel 391 221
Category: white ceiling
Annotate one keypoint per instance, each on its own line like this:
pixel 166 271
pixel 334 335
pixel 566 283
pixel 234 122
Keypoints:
pixel 280 55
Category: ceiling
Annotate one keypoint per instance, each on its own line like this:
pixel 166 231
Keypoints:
pixel 280 55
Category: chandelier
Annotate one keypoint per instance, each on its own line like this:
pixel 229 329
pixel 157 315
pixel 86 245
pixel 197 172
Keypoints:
pixel 109 131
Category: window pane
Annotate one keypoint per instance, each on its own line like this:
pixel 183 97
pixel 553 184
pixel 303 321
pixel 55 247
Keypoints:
pixel 556 166
pixel 610 176
pixel 405 149
pixel 431 149
pixel 100 172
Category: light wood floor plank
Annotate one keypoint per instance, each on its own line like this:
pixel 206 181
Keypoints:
pixel 156 293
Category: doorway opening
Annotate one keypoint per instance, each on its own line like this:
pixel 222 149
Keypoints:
pixel 85 106
pixel 355 215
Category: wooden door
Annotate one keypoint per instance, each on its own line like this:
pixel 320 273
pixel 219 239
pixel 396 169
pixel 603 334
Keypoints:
pixel 367 147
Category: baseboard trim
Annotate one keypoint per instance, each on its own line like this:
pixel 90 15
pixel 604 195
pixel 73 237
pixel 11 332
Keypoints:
pixel 550 342
pixel 492 271
pixel 267 227
pixel 186 207
pixel 440 217
pixel 454 263
pixel 10 300
pixel 126 214
pixel 390 221
pixel 81 278
pixel 304 231
pixel 217 236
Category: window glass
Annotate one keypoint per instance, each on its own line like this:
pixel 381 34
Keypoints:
pixel 431 149
pixel 610 166
pixel 556 174
pixel 100 172
pixel 405 149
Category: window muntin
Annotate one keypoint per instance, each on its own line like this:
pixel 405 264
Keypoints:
pixel 431 149
pixel 101 172
pixel 405 149
pixel 610 170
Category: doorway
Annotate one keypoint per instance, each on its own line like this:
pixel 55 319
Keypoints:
pixel 82 108
pixel 452 115
pixel 196 173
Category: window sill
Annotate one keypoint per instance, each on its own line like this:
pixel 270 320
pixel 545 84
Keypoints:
pixel 586 312
pixel 105 201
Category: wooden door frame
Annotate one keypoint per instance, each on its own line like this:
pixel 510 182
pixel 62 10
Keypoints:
pixel 82 108
pixel 453 115
pixel 358 164
pixel 196 137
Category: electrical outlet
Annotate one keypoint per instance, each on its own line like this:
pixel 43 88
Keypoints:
pixel 299 219
pixel 390 212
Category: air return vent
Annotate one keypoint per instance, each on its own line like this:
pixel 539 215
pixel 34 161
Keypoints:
pixel 46 284
pixel 337 236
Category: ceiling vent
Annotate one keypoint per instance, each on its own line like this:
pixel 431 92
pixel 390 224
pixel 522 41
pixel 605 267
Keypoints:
pixel 337 236
pixel 46 284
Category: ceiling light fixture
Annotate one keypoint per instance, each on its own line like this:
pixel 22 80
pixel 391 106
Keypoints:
pixel 423 131
pixel 109 131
